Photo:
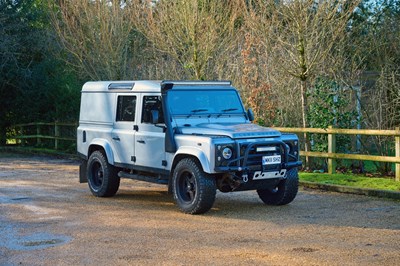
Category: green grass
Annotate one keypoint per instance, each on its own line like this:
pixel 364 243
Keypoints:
pixel 368 166
pixel 352 181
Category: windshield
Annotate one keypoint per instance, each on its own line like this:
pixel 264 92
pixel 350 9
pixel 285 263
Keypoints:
pixel 191 102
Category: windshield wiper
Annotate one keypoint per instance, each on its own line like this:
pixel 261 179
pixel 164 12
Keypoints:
pixel 229 110
pixel 196 111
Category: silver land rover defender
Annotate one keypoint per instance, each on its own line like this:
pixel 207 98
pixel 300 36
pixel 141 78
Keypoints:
pixel 194 136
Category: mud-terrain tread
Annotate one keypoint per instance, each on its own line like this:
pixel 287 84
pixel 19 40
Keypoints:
pixel 205 188
pixel 111 180
pixel 286 190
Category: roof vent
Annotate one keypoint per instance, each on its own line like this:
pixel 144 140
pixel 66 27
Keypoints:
pixel 121 86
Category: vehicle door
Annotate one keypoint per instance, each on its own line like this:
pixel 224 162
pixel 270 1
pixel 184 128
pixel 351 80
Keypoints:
pixel 149 142
pixel 123 134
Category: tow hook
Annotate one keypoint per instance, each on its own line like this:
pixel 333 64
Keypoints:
pixel 245 178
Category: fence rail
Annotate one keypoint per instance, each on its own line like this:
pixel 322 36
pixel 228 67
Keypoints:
pixel 331 155
pixel 28 131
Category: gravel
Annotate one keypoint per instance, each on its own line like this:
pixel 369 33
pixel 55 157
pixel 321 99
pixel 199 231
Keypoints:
pixel 48 218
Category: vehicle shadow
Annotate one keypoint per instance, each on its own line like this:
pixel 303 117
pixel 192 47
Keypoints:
pixel 309 207
pixel 313 207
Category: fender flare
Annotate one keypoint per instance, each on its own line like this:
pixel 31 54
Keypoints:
pixel 199 154
pixel 106 146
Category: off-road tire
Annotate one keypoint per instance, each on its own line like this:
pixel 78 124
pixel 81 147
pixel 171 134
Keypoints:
pixel 194 191
pixel 102 177
pixel 284 192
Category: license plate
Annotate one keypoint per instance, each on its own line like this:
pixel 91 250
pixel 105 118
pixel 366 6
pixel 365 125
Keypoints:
pixel 274 159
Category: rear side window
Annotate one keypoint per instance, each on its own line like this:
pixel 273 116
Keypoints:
pixel 126 106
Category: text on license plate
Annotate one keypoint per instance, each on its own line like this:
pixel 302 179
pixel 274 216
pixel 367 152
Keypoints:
pixel 274 159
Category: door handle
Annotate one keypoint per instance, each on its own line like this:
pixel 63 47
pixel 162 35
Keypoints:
pixel 116 138
pixel 141 141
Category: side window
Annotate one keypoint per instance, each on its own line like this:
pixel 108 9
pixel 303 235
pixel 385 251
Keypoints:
pixel 151 104
pixel 126 106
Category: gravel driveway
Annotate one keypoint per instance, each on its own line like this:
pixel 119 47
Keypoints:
pixel 48 218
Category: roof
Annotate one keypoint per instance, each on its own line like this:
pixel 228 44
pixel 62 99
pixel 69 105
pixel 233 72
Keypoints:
pixel 146 85
pixel 122 85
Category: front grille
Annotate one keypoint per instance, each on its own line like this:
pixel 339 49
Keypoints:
pixel 254 158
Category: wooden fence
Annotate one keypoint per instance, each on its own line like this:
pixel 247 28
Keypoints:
pixel 56 135
pixel 43 131
pixel 332 155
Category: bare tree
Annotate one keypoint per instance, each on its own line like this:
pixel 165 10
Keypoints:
pixel 301 38
pixel 97 35
pixel 381 99
pixel 195 33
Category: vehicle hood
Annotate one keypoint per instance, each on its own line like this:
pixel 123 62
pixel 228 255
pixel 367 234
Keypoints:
pixel 234 131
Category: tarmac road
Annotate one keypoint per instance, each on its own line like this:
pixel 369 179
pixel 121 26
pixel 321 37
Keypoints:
pixel 48 218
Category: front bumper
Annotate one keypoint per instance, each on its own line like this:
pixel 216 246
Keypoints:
pixel 244 162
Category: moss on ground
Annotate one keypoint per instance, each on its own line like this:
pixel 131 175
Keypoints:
pixel 352 181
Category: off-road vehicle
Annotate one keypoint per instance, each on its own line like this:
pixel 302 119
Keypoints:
pixel 194 136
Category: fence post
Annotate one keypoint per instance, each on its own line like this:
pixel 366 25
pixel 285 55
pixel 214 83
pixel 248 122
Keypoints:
pixel 21 141
pixel 331 149
pixel 397 153
pixel 56 135
pixel 38 140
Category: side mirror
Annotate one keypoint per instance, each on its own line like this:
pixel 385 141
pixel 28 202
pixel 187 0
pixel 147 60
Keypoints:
pixel 250 114
pixel 155 116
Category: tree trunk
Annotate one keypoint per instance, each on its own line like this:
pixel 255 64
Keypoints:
pixel 303 87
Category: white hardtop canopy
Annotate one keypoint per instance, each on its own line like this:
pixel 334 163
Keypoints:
pixel 124 85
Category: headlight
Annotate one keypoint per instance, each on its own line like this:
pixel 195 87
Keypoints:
pixel 227 153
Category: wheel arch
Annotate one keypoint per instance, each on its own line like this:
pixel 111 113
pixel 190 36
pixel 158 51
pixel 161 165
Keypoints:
pixel 199 155
pixel 102 145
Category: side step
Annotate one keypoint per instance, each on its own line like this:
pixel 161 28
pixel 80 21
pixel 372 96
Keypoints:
pixel 159 179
